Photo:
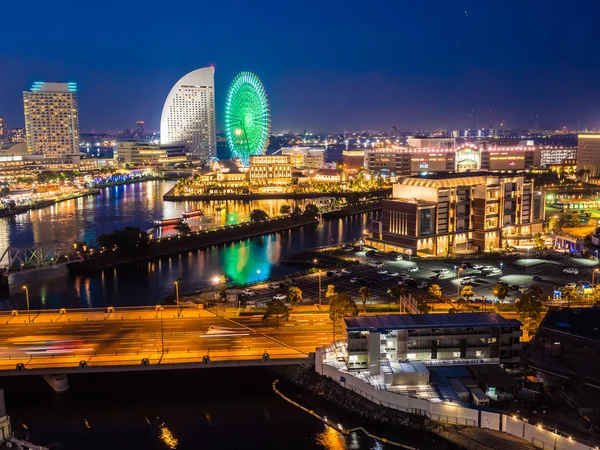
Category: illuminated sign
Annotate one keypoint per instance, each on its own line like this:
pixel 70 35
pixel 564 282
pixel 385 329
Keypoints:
pixel 423 165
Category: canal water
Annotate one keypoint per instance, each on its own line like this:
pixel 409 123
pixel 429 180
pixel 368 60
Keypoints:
pixel 140 204
pixel 201 409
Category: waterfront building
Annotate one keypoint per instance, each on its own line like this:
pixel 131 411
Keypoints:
pixel 141 154
pixel 228 173
pixel 52 120
pixel 588 153
pixel 431 142
pixel 305 157
pixel 431 339
pixel 336 176
pixel 353 160
pixel 3 131
pixel 17 135
pixel 442 214
pixel 93 164
pixel 557 156
pixel 270 169
pixel 188 115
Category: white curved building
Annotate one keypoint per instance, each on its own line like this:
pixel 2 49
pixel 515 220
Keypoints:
pixel 188 116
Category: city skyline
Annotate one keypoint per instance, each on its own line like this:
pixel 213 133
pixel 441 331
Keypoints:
pixel 430 70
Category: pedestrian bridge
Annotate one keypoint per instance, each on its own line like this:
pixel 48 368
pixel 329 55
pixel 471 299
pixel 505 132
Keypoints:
pixel 37 256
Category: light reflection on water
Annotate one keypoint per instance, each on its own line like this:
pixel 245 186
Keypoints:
pixel 139 205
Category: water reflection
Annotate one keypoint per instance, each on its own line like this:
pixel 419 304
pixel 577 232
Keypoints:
pixel 139 205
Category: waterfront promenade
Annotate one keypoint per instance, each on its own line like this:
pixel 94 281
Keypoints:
pixel 151 338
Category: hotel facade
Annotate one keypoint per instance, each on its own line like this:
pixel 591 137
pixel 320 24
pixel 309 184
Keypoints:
pixel 445 214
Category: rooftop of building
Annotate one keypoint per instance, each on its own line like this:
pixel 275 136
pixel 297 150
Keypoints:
pixel 578 322
pixel 424 321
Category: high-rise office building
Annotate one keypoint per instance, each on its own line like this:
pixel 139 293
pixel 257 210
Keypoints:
pixel 188 116
pixel 17 135
pixel 3 131
pixel 52 120
pixel 588 153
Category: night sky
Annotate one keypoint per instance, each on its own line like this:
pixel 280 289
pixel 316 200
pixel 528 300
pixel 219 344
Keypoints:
pixel 325 64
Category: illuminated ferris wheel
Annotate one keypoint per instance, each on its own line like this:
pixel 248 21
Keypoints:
pixel 247 117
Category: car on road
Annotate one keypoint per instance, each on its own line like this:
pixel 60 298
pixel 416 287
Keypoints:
pixel 466 280
pixel 536 278
pixel 275 286
pixel 382 272
pixel 394 274
pixel 571 270
pixel 423 285
pixel 413 269
pixel 346 271
pixel 372 264
pixel 248 292
pixel 477 266
pixel 279 297
pixel 370 252
pixel 444 271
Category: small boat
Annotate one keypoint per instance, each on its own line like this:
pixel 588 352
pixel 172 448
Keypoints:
pixel 166 222
pixel 190 214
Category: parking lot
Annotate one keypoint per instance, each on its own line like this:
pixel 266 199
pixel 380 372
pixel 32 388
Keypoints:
pixel 516 272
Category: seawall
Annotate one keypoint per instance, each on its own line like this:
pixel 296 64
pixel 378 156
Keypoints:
pixel 170 196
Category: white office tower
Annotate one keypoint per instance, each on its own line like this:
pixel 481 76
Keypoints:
pixel 52 120
pixel 188 117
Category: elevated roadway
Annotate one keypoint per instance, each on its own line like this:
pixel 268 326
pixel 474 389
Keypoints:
pixel 151 339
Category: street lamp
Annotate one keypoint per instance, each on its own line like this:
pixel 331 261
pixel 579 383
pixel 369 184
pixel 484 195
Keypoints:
pixel 177 293
pixel 27 299
pixel 458 283
pixel 315 263
pixel 593 274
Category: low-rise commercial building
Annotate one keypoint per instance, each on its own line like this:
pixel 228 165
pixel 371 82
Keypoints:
pixel 588 153
pixel 305 157
pixel 447 213
pixel 270 169
pixel 143 154
pixel 431 339
pixel 353 160
pixel 328 176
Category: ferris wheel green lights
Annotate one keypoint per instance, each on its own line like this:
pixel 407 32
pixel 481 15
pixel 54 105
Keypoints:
pixel 247 117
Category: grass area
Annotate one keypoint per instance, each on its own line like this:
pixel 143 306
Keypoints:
pixel 580 232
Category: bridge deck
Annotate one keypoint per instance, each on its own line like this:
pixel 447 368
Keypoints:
pixel 97 340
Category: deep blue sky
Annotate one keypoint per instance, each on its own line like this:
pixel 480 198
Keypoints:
pixel 325 64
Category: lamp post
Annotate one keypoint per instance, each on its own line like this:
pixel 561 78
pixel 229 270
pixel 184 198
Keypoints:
pixel 314 265
pixel 593 274
pixel 27 299
pixel 501 267
pixel 458 283
pixel 162 333
pixel 257 275
pixel 177 293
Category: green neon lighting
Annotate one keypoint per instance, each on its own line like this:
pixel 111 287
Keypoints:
pixel 247 117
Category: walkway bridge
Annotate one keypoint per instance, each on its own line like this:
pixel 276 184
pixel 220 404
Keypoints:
pixel 150 338
pixel 326 204
pixel 37 256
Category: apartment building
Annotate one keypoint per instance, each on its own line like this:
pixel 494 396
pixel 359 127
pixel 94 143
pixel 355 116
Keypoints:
pixel 441 214
pixel 432 339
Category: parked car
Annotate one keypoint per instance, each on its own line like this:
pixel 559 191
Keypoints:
pixel 423 285
pixel 386 278
pixel 514 287
pixel 382 272
pixel 467 264
pixel 466 280
pixel 354 280
pixel 379 264
pixel 372 264
pixel 536 278
pixel 444 271
pixel 571 270
pixel 329 273
pixel 413 269
pixel 394 274
pixel 275 286
pixel 477 266
pixel 280 297
pixel 346 271
pixel 337 273
pixel 248 292
pixel 370 252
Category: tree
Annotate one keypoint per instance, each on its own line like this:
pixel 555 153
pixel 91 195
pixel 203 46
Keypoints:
pixel 461 302
pixel 467 292
pixel 340 306
pixel 294 295
pixel 423 307
pixel 130 240
pixel 596 294
pixel 529 308
pixel 277 309
pixel 221 294
pixel 330 292
pixel 182 227
pixel 296 211
pixel 365 295
pixel 501 292
pixel 434 292
pixel 311 210
pixel 258 215
pixel 568 294
pixel 285 210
